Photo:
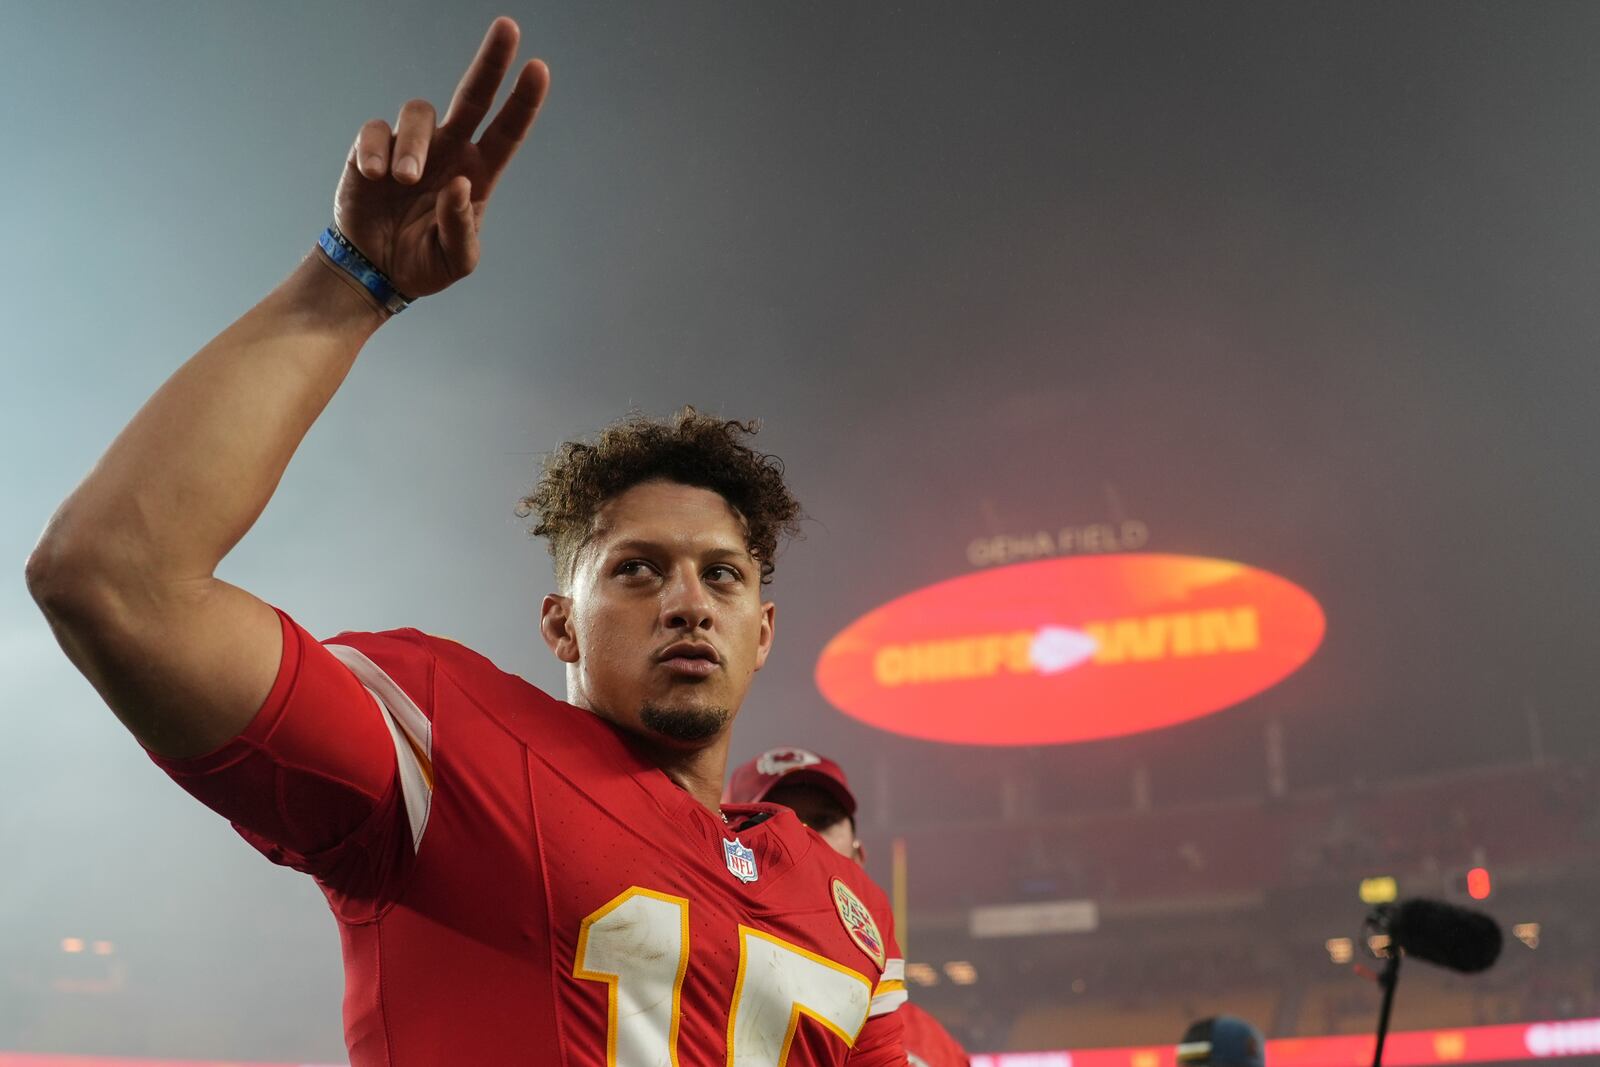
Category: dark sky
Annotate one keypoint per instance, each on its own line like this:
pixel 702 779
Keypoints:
pixel 1307 286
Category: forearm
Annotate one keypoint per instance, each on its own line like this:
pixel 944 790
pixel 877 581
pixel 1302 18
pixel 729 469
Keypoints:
pixel 191 473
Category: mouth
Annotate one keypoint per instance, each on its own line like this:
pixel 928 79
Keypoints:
pixel 689 659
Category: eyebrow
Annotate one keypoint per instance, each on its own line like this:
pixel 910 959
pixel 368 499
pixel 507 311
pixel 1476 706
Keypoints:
pixel 639 544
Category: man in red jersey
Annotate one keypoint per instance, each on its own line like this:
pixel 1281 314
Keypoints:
pixel 517 879
pixel 815 788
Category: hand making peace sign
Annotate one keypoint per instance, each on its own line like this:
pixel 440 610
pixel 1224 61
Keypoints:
pixel 412 199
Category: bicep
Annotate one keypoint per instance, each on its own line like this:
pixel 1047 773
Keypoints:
pixel 314 772
pixel 184 672
pixel 244 710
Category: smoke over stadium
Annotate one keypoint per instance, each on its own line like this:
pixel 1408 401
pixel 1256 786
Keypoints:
pixel 1188 636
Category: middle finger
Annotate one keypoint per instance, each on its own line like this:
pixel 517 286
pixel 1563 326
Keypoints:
pixel 476 92
pixel 413 133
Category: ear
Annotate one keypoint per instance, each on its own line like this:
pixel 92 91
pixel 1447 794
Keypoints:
pixel 555 626
pixel 769 621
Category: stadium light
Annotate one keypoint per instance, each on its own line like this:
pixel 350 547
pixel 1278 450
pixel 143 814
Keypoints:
pixel 961 972
pixel 922 974
pixel 72 944
pixel 1340 949
pixel 1381 890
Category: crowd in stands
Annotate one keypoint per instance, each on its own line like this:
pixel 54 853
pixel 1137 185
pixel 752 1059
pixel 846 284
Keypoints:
pixel 1118 1004
pixel 1188 926
pixel 1512 818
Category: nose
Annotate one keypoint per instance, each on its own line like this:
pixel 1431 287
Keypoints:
pixel 685 602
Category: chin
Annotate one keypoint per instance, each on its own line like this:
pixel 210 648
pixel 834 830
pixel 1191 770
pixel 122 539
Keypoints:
pixel 685 723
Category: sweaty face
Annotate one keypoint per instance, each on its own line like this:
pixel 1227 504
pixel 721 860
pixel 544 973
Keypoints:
pixel 663 627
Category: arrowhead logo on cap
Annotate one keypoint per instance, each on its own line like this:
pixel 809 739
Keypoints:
pixel 778 761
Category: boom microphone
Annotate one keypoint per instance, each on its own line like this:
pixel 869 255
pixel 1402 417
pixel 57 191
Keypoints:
pixel 1458 939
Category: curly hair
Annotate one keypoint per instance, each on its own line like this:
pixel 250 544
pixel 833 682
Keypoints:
pixel 690 448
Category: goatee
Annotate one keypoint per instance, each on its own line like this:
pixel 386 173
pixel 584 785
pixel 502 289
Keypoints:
pixel 685 724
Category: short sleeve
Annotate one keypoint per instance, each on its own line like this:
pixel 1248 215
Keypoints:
pixel 880 1043
pixel 929 1043
pixel 882 1039
pixel 315 782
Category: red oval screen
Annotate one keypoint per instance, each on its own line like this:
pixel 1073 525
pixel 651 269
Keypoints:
pixel 1070 649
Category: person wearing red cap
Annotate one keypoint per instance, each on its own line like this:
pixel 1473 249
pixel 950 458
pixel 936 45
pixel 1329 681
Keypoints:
pixel 816 789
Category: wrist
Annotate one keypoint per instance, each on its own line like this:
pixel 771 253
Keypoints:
pixel 343 254
pixel 333 300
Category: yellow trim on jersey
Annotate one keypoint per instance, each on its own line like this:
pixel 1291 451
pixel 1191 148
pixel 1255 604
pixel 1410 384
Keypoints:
pixel 424 764
pixel 889 1002
pixel 891 992
pixel 799 1009
pixel 611 980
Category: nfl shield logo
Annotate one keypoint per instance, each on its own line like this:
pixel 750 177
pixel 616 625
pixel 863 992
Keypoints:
pixel 741 860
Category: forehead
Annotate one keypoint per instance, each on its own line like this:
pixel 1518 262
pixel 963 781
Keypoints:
pixel 670 514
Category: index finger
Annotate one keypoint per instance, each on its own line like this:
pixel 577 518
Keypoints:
pixel 475 93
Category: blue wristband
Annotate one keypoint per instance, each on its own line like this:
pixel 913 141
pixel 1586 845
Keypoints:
pixel 349 259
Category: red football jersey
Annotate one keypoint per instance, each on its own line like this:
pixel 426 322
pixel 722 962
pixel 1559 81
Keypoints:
pixel 928 1044
pixel 515 883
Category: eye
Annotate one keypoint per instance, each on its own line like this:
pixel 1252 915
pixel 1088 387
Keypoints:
pixel 724 572
pixel 634 568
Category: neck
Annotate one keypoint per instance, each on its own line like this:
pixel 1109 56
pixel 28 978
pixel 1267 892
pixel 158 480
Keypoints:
pixel 698 772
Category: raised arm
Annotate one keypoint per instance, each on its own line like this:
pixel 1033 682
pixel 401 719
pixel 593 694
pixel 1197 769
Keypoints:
pixel 125 568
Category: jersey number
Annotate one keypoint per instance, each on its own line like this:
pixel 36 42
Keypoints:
pixel 638 944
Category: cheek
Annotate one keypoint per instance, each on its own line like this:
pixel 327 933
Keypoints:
pixel 742 656
pixel 611 623
pixel 748 624
pixel 605 644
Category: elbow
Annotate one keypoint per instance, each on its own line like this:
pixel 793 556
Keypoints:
pixel 60 580
pixel 41 570
pixel 76 584
pixel 46 574
pixel 47 563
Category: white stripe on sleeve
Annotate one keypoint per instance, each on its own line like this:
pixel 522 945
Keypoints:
pixel 405 720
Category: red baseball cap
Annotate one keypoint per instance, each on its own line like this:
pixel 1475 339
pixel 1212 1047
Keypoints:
pixel 751 782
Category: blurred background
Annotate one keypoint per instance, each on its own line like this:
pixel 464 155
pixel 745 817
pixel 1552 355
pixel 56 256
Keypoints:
pixel 1309 287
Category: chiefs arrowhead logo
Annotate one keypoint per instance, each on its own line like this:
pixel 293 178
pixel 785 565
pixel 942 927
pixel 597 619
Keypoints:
pixel 858 923
pixel 783 760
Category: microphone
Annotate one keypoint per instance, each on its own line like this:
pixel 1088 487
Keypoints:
pixel 1455 938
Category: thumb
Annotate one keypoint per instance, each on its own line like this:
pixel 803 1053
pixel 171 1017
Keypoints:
pixel 458 230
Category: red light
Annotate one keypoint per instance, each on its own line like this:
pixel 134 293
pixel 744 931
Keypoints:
pixel 1478 883
pixel 1070 649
